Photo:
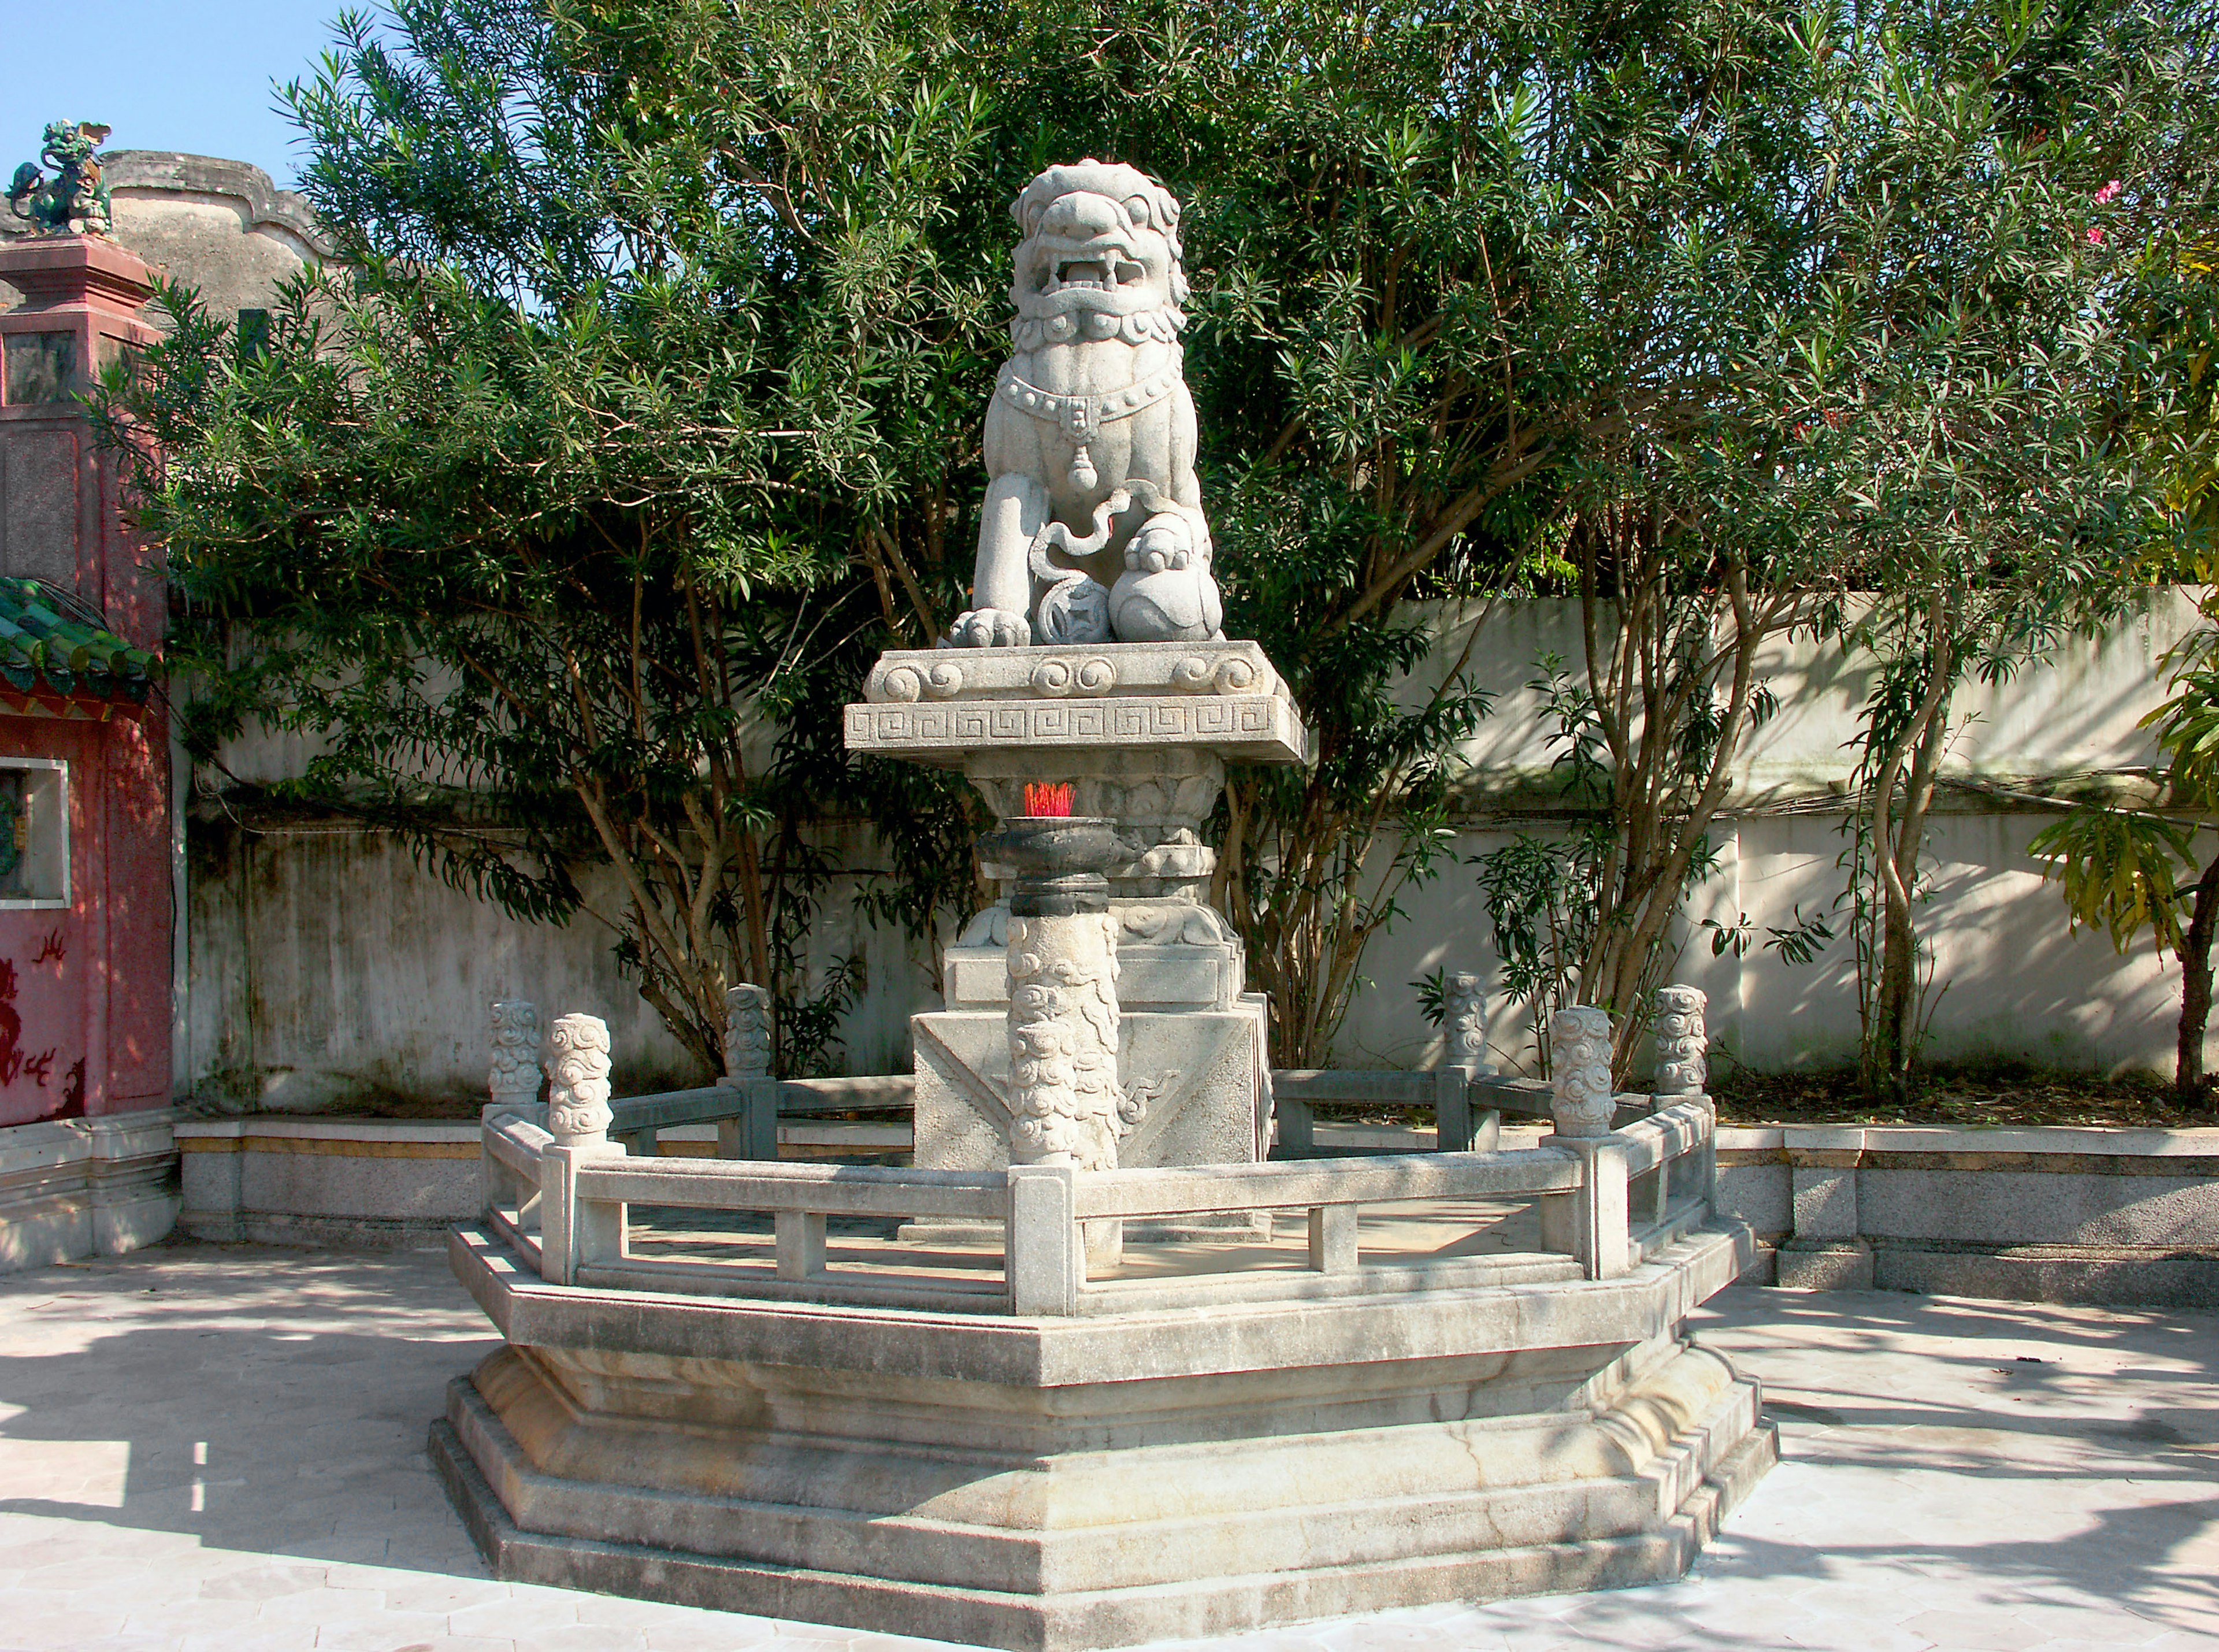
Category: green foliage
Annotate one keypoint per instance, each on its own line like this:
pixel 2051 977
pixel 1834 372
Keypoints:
pixel 644 409
pixel 2119 871
pixel 1799 943
pixel 544 512
pixel 1962 389
pixel 1542 903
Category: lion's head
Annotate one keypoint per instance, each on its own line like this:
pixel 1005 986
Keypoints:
pixel 1101 240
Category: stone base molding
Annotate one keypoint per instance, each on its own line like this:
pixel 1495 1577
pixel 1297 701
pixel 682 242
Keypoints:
pixel 72 1188
pixel 364 1183
pixel 1106 1479
pixel 2124 1215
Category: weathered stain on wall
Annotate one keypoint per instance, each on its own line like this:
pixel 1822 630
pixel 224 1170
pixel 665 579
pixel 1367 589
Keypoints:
pixel 329 969
pixel 327 964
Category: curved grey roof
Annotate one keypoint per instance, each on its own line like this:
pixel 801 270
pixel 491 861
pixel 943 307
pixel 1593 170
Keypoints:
pixel 169 171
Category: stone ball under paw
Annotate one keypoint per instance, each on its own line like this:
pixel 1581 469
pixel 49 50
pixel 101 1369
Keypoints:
pixel 1171 606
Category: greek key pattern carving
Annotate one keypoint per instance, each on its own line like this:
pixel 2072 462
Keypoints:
pixel 1579 1072
pixel 1682 1041
pixel 1043 723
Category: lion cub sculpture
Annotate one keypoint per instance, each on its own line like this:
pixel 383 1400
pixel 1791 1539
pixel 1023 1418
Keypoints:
pixel 1093 531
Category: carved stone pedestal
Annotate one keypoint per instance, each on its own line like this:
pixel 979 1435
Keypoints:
pixel 1140 732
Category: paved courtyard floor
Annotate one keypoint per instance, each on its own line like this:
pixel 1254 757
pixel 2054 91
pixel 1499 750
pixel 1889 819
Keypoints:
pixel 221 1447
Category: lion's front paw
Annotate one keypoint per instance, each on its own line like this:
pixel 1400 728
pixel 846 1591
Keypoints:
pixel 990 628
pixel 1165 544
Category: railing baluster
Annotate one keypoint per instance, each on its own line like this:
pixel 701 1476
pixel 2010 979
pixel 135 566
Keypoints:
pixel 511 1086
pixel 1333 1239
pixel 800 1238
pixel 752 1133
pixel 1043 1255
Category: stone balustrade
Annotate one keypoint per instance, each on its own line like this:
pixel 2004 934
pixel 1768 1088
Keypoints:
pixel 1606 1200
pixel 719 1371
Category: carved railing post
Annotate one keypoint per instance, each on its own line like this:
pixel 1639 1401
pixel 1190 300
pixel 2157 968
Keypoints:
pixel 747 1033
pixel 578 1100
pixel 754 1134
pixel 572 1234
pixel 1465 996
pixel 1582 1098
pixel 513 1082
pixel 1592 1224
pixel 511 1086
pixel 1464 1058
pixel 1682 1042
pixel 1683 1073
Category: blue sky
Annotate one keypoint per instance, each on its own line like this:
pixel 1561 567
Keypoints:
pixel 193 75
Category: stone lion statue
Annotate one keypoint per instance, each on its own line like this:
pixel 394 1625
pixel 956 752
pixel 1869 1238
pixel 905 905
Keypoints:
pixel 76 201
pixel 1093 528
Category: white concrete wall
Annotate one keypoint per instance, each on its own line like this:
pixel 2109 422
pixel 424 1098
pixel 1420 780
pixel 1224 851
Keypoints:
pixel 2010 979
pixel 327 964
pixel 2072 711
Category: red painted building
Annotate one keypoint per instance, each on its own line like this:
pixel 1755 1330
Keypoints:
pixel 85 841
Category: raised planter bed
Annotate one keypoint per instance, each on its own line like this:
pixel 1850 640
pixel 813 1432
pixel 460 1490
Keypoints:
pixel 2058 1214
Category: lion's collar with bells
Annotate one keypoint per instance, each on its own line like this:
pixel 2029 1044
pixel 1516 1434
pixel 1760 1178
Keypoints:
pixel 1082 416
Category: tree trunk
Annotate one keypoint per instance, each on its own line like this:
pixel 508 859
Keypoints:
pixel 2196 989
pixel 1913 756
pixel 1897 1004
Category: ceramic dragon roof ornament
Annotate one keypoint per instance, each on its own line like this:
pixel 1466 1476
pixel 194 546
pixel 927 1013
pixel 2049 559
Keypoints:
pixel 1093 530
pixel 76 201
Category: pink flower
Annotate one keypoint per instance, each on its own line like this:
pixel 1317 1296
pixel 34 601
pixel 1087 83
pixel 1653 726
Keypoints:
pixel 2095 236
pixel 2109 193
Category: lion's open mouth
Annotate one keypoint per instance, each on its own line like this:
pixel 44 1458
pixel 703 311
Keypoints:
pixel 1101 272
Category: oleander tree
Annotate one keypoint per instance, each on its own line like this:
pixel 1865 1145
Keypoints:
pixel 642 408
pixel 2146 864
pixel 560 507
pixel 1975 385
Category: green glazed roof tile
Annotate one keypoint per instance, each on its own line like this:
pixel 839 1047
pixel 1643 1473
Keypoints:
pixel 43 646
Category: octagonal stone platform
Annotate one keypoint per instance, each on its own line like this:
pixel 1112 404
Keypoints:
pixel 1108 1478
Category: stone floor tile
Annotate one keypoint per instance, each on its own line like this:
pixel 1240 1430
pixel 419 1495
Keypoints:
pixel 711 1632
pixel 297 1637
pixel 65 1632
pixel 583 1638
pixel 407 1591
pixel 1373 1636
pixel 1838 1636
pixel 617 1611
pixel 379 1632
pixel 2000 1501
pixel 526 1612
pixel 2094 1623
pixel 175 1616
pixel 263 1582
pixel 318 1606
